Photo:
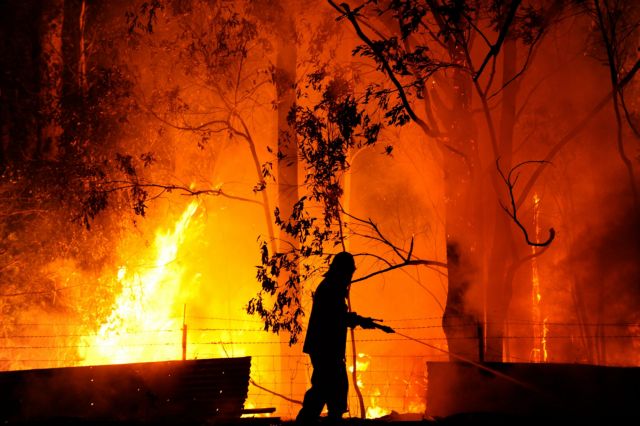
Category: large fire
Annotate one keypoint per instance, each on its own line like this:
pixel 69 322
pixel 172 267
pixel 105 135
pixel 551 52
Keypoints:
pixel 144 325
pixel 148 322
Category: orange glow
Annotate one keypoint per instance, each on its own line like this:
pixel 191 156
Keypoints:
pixel 170 274
pixel 177 108
pixel 147 303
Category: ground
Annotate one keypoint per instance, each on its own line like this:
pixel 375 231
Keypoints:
pixel 467 420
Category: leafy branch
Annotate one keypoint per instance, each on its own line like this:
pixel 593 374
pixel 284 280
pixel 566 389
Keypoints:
pixel 327 133
pixel 377 51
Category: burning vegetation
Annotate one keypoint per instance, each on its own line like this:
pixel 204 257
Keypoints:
pixel 177 174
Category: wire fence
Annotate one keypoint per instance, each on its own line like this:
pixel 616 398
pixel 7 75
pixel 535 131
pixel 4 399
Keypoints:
pixel 60 336
pixel 390 368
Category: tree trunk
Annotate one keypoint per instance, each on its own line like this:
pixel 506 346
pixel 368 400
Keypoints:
pixel 499 285
pixel 71 90
pixel 51 86
pixel 460 318
pixel 20 61
pixel 287 173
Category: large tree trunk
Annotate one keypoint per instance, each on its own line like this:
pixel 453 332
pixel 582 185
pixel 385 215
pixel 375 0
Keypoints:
pixel 287 142
pixel 71 91
pixel 499 281
pixel 51 86
pixel 20 62
pixel 461 316
pixel 287 174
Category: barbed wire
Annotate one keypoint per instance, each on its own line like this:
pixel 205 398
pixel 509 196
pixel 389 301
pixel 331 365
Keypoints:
pixel 464 324
pixel 247 342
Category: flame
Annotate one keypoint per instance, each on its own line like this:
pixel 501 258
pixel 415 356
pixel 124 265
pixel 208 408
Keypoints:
pixel 147 303
pixel 540 329
pixel 543 340
pixel 374 411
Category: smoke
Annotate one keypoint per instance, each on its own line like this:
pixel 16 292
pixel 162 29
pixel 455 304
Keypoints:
pixel 604 265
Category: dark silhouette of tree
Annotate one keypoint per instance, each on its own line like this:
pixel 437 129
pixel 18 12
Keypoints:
pixel 327 131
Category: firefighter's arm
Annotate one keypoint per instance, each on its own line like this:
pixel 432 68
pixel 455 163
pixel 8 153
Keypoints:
pixel 369 323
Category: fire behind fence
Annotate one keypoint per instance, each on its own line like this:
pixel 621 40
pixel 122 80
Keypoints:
pixel 389 380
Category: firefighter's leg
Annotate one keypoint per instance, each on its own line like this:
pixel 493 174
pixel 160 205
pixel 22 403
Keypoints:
pixel 316 396
pixel 337 397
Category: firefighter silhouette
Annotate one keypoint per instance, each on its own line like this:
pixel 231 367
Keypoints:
pixel 326 341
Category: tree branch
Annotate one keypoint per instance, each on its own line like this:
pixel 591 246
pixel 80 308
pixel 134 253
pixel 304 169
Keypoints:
pixel 495 48
pixel 405 258
pixel 627 115
pixel 351 16
pixel 415 262
pixel 190 128
pixel 513 212
pixel 169 188
pixel 575 131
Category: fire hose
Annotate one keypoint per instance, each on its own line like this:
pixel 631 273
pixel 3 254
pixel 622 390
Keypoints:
pixel 374 323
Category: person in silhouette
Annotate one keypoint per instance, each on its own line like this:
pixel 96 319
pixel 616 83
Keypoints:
pixel 326 341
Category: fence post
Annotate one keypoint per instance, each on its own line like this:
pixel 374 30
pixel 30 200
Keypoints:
pixel 184 333
pixel 480 332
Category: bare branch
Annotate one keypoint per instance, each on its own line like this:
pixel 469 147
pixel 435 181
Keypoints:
pixel 411 248
pixel 627 78
pixel 575 131
pixel 286 398
pixel 416 262
pixel 510 181
pixel 609 41
pixel 190 128
pixel 477 29
pixel 548 16
pixel 491 76
pixel 380 258
pixel 527 61
pixel 405 258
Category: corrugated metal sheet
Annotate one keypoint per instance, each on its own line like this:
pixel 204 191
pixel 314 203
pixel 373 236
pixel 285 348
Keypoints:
pixel 194 390
pixel 581 392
